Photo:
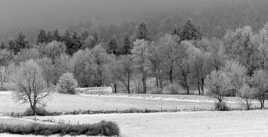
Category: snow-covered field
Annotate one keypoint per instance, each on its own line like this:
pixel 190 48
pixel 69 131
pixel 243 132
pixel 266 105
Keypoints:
pixel 68 103
pixel 182 124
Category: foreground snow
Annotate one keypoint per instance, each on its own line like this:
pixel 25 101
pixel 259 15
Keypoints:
pixel 182 124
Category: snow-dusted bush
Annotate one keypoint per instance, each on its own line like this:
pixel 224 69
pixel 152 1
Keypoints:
pixel 67 84
pixel 173 88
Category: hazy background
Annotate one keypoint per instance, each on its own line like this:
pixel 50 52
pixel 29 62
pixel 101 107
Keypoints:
pixel 23 15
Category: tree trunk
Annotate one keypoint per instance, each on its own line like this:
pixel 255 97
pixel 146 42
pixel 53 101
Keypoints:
pixel 198 87
pixel 185 79
pixel 247 104
pixel 160 82
pixel 171 75
pixel 202 85
pixel 156 81
pixel 262 103
pixel 115 88
pixel 33 107
pixel 144 83
pixel 128 83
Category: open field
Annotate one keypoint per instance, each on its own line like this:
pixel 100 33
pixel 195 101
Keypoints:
pixel 68 103
pixel 180 124
pixel 183 124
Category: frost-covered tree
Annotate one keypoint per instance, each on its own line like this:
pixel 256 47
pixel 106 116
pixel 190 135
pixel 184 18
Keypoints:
pixel 84 68
pixel 27 54
pixel 218 83
pixel 155 63
pixel 53 50
pixel 171 54
pixel 260 83
pixel 5 58
pixel 240 46
pixel 199 65
pixel 237 74
pixel 101 59
pixel 122 70
pixel 140 58
pixel 30 85
pixel 247 93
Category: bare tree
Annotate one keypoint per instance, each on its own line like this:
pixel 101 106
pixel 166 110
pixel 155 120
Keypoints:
pixel 31 86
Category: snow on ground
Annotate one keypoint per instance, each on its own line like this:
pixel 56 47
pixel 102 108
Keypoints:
pixel 182 124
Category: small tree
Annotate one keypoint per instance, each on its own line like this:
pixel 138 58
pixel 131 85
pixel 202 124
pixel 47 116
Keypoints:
pixel 246 93
pixel 237 74
pixel 218 83
pixel 260 82
pixel 31 87
pixel 67 84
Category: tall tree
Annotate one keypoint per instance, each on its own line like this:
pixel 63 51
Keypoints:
pixel 190 32
pixel 127 46
pixel 260 83
pixel 56 35
pixel 140 56
pixel 240 45
pixel 171 54
pixel 53 50
pixel 21 43
pixel 112 46
pixel 101 59
pixel 42 37
pixel 142 32
pixel 122 70
pixel 12 46
pixel 218 83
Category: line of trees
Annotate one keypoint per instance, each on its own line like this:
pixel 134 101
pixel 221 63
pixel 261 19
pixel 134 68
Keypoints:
pixel 235 65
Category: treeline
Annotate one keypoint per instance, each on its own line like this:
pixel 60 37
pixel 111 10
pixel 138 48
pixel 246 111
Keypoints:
pixel 180 62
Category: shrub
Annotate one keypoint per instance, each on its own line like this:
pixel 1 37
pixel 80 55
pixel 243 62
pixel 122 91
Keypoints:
pixel 102 128
pixel 173 89
pixel 221 106
pixel 67 84
pixel 39 112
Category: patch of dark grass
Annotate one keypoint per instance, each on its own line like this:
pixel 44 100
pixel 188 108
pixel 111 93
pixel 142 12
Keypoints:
pixel 221 106
pixel 39 112
pixel 103 128
pixel 81 112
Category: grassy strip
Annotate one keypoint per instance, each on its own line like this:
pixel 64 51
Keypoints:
pixel 102 128
pixel 42 112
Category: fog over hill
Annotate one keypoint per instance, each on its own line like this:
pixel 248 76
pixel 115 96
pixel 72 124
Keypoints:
pixel 21 15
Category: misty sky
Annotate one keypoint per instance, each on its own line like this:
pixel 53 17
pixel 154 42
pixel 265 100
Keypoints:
pixel 38 13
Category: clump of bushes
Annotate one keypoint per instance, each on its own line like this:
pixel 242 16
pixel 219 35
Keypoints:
pixel 103 128
pixel 173 88
pixel 39 112
pixel 67 84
